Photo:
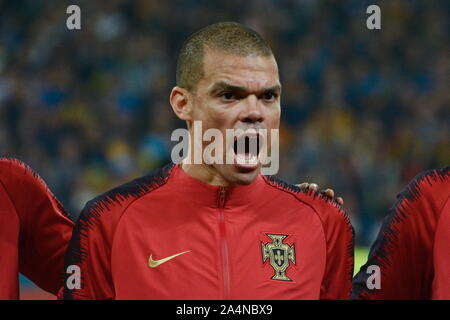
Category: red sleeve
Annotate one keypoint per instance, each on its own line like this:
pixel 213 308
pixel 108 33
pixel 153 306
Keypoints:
pixel 45 228
pixel 337 279
pixel 90 250
pixel 92 240
pixel 441 281
pixel 403 249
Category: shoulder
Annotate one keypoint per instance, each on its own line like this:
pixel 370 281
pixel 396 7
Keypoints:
pixel 407 237
pixel 115 201
pixel 432 184
pixel 420 203
pixel 20 179
pixel 97 223
pixel 14 170
pixel 24 186
pixel 327 210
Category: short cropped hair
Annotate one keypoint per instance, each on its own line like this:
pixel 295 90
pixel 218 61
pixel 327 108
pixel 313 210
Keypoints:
pixel 228 37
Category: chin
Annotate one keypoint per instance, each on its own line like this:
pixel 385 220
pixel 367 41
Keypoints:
pixel 242 177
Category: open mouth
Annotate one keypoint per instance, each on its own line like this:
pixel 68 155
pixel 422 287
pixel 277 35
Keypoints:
pixel 247 148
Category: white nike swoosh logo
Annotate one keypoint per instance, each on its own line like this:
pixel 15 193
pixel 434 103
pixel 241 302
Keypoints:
pixel 154 263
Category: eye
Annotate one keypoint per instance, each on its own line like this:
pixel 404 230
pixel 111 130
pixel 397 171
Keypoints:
pixel 228 96
pixel 269 96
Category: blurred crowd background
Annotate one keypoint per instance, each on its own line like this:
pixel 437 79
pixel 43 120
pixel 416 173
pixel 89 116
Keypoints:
pixel 363 111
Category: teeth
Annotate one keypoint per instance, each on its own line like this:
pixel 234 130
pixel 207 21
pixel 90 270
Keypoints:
pixel 247 158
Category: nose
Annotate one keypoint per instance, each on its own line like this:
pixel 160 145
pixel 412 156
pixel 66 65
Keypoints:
pixel 252 111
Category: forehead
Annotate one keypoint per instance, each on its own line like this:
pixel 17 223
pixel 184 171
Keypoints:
pixel 252 72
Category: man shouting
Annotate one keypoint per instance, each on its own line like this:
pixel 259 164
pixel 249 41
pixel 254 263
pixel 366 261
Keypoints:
pixel 215 230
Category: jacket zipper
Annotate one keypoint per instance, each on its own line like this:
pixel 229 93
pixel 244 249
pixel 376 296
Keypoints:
pixel 224 244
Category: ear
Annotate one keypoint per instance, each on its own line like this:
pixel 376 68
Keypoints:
pixel 181 102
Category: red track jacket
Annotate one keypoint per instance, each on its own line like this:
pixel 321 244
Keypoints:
pixel 170 236
pixel 413 247
pixel 34 231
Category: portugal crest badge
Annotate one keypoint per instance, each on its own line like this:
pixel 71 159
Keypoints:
pixel 279 255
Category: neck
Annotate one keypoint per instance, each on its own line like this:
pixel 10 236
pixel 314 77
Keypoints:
pixel 205 173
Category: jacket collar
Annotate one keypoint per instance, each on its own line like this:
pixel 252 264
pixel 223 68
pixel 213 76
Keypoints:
pixel 209 195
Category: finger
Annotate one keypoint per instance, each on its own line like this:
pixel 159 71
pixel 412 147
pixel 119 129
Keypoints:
pixel 340 201
pixel 304 185
pixel 329 193
pixel 313 186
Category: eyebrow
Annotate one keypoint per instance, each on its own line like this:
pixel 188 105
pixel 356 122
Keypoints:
pixel 224 86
